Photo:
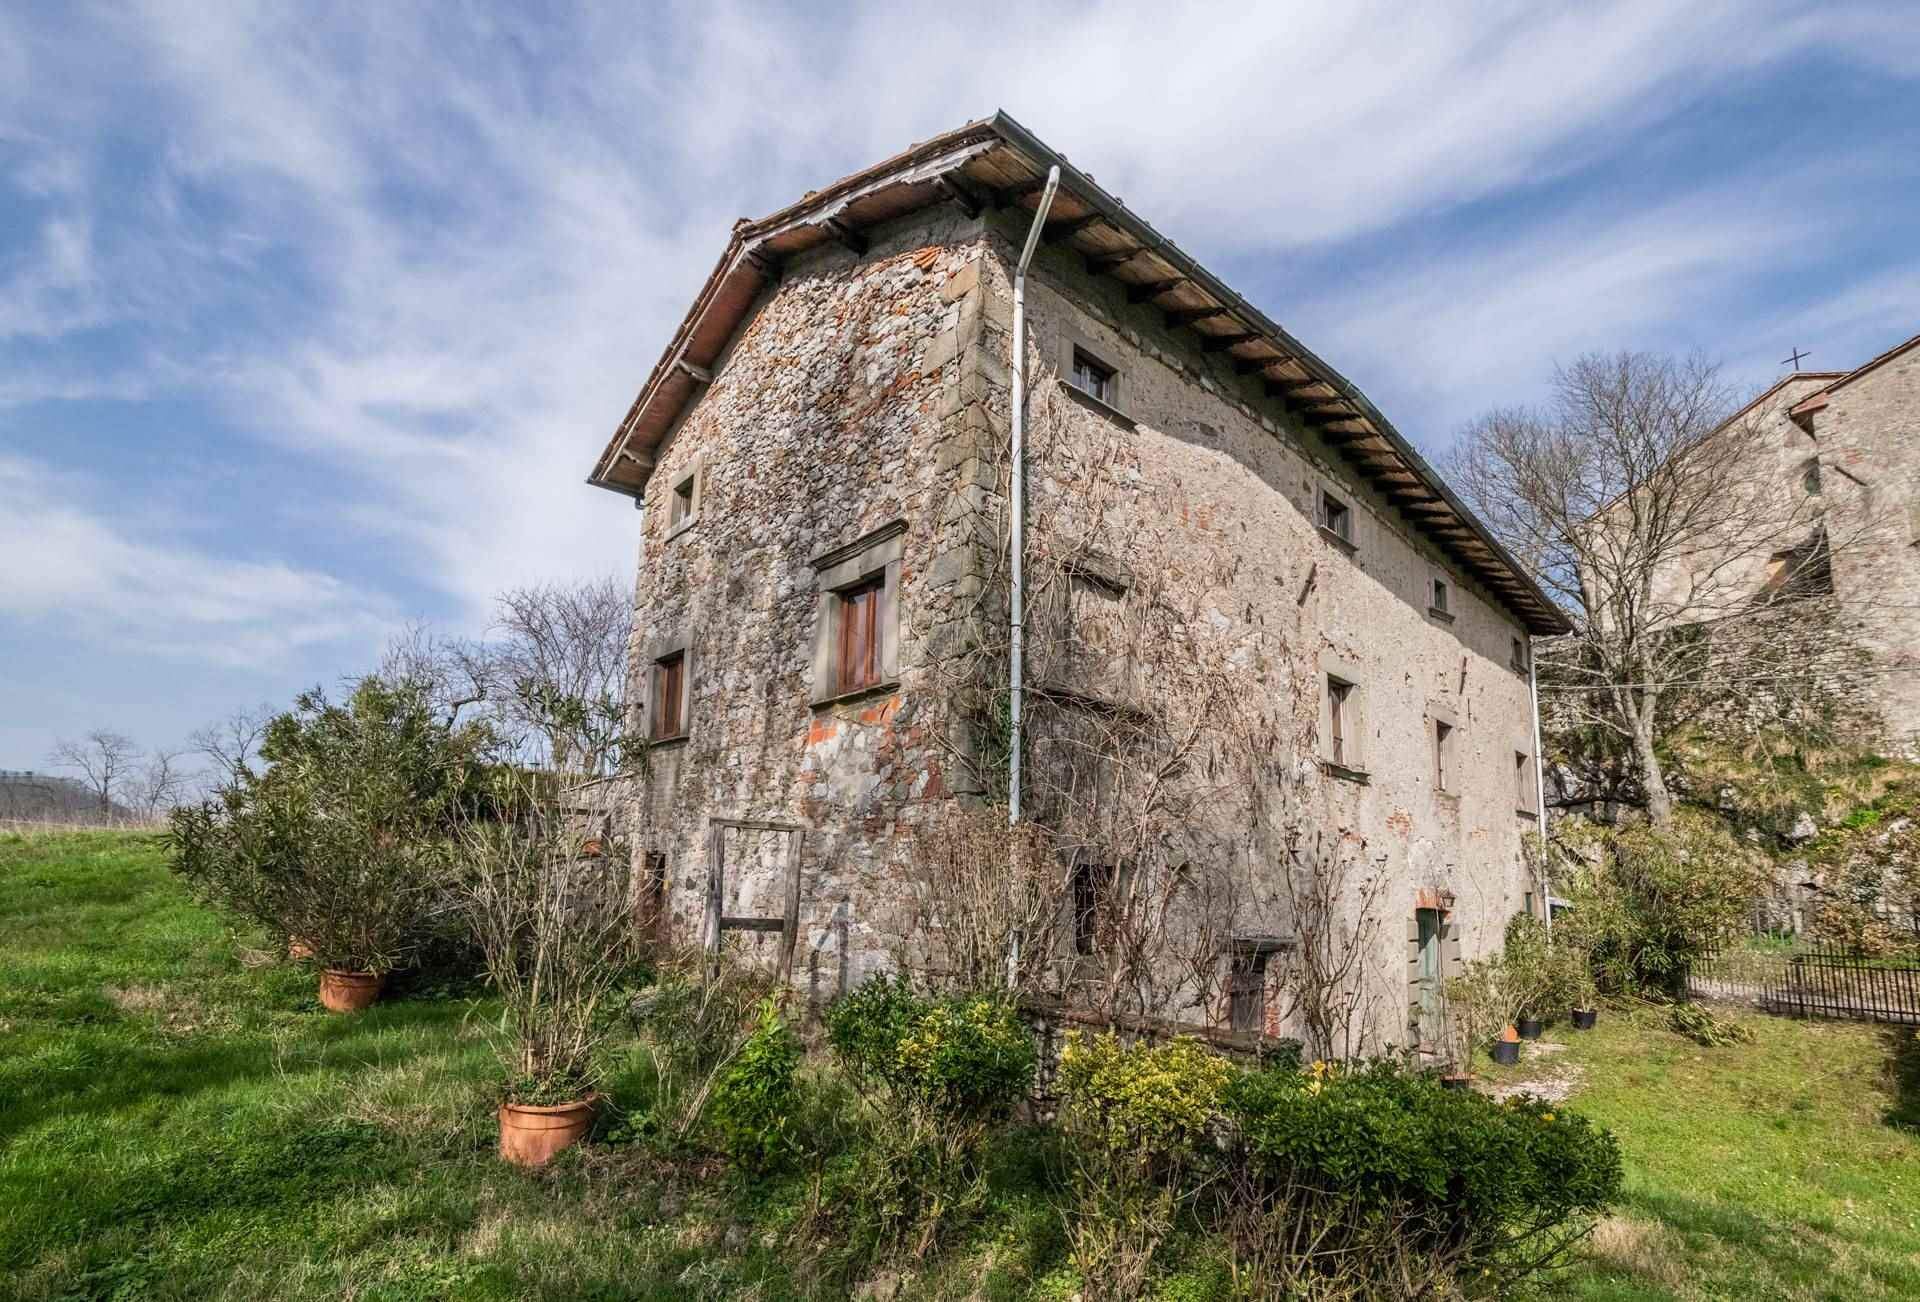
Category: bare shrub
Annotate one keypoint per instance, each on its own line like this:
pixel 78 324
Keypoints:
pixel 553 923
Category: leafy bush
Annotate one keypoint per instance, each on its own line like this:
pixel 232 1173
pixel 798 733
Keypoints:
pixel 755 1101
pixel 1703 1027
pixel 693 1021
pixel 937 1075
pixel 1378 1181
pixel 343 841
pixel 1139 1120
pixel 1649 901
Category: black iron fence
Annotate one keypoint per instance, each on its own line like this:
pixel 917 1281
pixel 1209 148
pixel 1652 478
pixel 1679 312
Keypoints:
pixel 1813 980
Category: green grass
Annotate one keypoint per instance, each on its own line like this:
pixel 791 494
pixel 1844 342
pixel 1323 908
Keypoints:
pixel 1774 1169
pixel 178 1119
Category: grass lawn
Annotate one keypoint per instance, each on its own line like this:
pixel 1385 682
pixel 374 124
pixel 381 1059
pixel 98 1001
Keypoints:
pixel 178 1119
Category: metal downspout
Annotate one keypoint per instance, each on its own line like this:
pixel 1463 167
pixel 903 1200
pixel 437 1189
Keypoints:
pixel 1016 613
pixel 1540 788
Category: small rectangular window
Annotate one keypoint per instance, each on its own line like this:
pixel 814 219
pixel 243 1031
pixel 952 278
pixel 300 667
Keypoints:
pixel 1519 661
pixel 857 663
pixel 682 502
pixel 1440 600
pixel 669 696
pixel 651 914
pixel 1092 376
pixel 1092 906
pixel 1335 517
pixel 1810 477
pixel 1247 992
pixel 1339 696
pixel 1524 786
pixel 1442 755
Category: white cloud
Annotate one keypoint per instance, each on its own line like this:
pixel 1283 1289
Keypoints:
pixel 112 578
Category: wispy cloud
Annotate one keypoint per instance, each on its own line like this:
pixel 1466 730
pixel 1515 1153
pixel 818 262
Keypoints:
pixel 112 577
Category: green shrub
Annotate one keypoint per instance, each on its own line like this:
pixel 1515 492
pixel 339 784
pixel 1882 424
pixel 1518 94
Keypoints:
pixel 343 842
pixel 1139 1120
pixel 756 1101
pixel 1649 901
pixel 1376 1179
pixel 937 1074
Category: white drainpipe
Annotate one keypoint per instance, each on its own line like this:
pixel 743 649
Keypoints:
pixel 1016 613
pixel 1540 788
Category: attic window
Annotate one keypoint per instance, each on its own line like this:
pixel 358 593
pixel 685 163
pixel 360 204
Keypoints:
pixel 1094 377
pixel 1336 517
pixel 684 497
pixel 1519 661
pixel 1440 598
pixel 682 501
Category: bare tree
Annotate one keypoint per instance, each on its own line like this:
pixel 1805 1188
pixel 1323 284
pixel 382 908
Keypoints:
pixel 104 760
pixel 159 784
pixel 1661 520
pixel 558 667
pixel 456 673
pixel 231 744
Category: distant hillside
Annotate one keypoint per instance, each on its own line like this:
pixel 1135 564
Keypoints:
pixel 50 798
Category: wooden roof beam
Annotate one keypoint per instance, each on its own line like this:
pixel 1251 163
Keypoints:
pixel 1066 230
pixel 958 194
pixel 1153 289
pixel 1103 262
pixel 1188 315
pixel 1220 343
pixel 1014 193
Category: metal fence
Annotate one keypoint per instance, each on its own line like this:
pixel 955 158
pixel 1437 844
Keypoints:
pixel 1813 980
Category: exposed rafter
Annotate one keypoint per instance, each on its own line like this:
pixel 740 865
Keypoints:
pixel 1153 289
pixel 1220 343
pixel 959 194
pixel 1066 230
pixel 1103 262
pixel 1180 316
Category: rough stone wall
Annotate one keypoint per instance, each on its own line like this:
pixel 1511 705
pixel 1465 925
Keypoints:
pixel 873 389
pixel 1869 441
pixel 1204 469
pixel 837 410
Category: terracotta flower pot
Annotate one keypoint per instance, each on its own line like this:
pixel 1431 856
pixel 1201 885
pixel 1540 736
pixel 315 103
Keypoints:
pixel 532 1136
pixel 1584 1018
pixel 298 949
pixel 342 991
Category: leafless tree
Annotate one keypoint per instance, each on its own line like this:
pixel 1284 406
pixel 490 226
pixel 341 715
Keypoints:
pixel 457 673
pixel 159 783
pixel 557 667
pixel 104 760
pixel 1659 515
pixel 231 744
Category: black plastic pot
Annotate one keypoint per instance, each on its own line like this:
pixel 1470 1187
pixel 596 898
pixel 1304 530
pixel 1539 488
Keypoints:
pixel 1506 1052
pixel 1530 1028
pixel 1584 1018
pixel 1454 1082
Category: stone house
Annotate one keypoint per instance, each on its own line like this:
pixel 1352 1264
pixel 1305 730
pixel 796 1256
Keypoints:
pixel 1222 529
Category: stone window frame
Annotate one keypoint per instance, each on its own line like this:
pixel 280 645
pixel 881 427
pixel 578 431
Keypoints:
pixel 1352 766
pixel 657 653
pixel 1444 748
pixel 1345 499
pixel 693 476
pixel 1073 342
pixel 873 555
pixel 1440 590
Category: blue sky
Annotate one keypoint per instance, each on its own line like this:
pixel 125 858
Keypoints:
pixel 313 318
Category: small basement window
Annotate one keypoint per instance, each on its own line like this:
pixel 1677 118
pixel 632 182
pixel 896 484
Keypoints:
pixel 1094 377
pixel 1336 517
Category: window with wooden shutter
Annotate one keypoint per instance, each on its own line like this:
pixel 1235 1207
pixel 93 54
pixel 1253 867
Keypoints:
pixel 669 697
pixel 858 662
pixel 856 645
pixel 1339 695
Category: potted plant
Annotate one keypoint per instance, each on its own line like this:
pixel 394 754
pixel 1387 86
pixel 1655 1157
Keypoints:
pixel 1478 1004
pixel 340 844
pixel 1534 972
pixel 1506 1049
pixel 1583 992
pixel 554 924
